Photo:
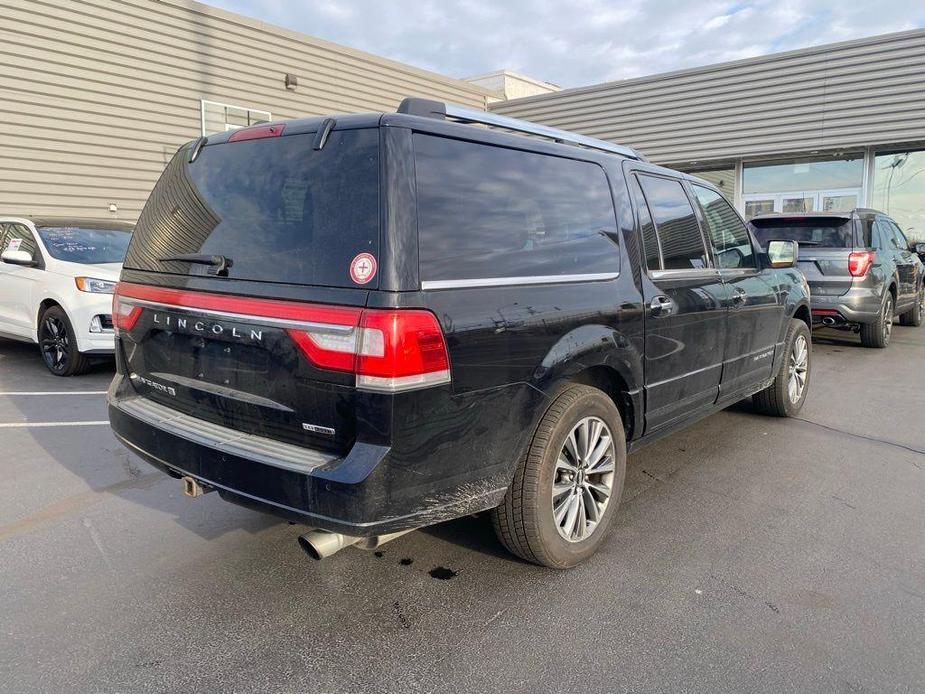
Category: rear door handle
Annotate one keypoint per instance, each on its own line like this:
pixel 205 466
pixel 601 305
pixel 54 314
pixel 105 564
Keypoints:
pixel 661 306
pixel 739 296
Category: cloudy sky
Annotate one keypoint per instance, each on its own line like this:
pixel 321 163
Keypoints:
pixel 579 42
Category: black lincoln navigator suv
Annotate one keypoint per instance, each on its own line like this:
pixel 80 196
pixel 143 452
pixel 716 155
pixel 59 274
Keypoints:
pixel 373 323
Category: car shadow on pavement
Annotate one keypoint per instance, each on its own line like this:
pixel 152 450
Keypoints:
pixel 91 452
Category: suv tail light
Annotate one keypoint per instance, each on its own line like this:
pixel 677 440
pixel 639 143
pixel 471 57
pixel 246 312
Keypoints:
pixel 388 350
pixel 859 262
pixel 124 315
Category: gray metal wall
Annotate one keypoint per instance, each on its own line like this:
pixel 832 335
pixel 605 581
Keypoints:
pixel 96 95
pixel 864 92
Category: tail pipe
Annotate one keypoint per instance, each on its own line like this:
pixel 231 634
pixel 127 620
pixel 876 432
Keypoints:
pixel 828 320
pixel 193 487
pixel 319 544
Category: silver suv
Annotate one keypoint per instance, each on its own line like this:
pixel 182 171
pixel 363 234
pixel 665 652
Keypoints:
pixel 861 269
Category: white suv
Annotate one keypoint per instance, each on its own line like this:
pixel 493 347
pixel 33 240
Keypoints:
pixel 56 281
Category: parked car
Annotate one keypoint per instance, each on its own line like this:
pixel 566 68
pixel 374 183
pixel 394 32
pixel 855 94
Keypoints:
pixel 861 269
pixel 56 281
pixel 378 322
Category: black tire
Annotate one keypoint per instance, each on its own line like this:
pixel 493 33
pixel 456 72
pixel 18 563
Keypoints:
pixel 877 334
pixel 776 400
pixel 525 522
pixel 913 317
pixel 58 344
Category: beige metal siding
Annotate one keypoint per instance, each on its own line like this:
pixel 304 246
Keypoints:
pixel 96 95
pixel 845 95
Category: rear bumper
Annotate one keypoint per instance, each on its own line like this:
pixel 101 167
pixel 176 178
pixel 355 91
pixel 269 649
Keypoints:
pixel 360 494
pixel 857 305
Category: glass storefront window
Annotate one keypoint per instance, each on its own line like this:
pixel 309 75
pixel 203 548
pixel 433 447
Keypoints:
pixel 899 190
pixel 804 175
pixel 753 207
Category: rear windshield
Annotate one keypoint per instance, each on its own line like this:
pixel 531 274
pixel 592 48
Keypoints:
pixel 278 209
pixel 825 233
pixel 84 245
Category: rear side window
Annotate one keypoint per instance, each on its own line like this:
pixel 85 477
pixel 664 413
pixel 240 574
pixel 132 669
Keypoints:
pixel 678 232
pixel 824 232
pixel 488 212
pixel 731 243
pixel 896 234
pixel 280 210
pixel 19 238
pixel 649 237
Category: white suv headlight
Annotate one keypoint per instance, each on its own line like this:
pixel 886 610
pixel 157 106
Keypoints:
pixel 94 286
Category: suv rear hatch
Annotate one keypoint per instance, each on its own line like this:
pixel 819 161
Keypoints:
pixel 237 304
pixel 826 245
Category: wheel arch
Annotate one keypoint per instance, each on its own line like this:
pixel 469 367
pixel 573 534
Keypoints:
pixel 601 357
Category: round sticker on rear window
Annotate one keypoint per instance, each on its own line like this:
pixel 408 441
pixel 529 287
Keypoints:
pixel 363 268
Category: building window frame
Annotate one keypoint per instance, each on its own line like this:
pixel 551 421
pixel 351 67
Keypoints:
pixel 224 105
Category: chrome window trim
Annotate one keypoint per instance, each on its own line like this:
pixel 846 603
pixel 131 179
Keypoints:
pixel 518 281
pixel 244 318
pixel 693 273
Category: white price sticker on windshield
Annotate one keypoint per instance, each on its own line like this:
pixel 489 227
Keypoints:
pixel 14 244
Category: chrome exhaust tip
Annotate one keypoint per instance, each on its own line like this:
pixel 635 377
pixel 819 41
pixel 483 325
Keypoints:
pixel 828 320
pixel 193 488
pixel 319 544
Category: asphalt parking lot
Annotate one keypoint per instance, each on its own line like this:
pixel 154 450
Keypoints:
pixel 751 554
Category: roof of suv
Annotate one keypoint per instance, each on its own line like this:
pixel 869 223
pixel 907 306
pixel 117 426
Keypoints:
pixel 425 114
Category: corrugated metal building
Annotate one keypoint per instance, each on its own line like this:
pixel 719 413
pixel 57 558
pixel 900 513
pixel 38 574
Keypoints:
pixel 96 95
pixel 829 127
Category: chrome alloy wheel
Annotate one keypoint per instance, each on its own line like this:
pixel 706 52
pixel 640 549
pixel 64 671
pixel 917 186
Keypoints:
pixel 887 326
pixel 583 481
pixel 799 366
pixel 55 345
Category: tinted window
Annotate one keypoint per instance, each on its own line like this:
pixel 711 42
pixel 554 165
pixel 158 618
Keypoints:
pixel 812 231
pixel 731 243
pixel 678 231
pixel 649 237
pixel 899 239
pixel 83 245
pixel 282 211
pixel 20 238
pixel 487 211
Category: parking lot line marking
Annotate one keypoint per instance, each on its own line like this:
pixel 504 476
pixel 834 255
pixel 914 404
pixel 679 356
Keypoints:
pixel 24 425
pixel 54 392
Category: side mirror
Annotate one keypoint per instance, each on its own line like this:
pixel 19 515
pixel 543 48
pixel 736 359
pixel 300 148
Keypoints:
pixel 783 253
pixel 17 258
pixel 918 248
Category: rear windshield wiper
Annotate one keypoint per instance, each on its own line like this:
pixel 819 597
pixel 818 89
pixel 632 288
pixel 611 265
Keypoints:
pixel 219 262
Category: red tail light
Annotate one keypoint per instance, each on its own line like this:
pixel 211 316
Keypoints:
pixel 256 132
pixel 389 350
pixel 859 262
pixel 124 315
pixel 401 350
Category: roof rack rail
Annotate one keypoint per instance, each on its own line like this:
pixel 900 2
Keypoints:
pixel 429 108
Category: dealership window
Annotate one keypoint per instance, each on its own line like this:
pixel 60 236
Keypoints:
pixel 899 189
pixel 217 118
pixel 832 184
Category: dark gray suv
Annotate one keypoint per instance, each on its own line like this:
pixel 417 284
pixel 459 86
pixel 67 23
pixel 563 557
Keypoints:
pixel 861 269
